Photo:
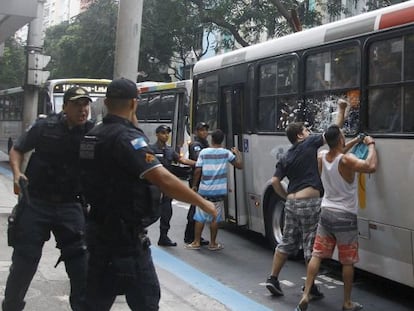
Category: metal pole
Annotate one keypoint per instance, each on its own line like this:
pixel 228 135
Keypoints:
pixel 128 35
pixel 34 45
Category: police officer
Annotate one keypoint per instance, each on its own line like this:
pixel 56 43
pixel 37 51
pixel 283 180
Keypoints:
pixel 166 155
pixel 200 142
pixel 55 195
pixel 121 179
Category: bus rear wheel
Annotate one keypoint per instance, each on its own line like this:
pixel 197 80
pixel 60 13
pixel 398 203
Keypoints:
pixel 274 220
pixel 274 223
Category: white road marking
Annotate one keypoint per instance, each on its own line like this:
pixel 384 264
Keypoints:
pixel 181 204
pixel 4 265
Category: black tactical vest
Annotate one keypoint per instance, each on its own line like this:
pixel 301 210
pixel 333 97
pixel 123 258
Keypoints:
pixel 53 168
pixel 119 200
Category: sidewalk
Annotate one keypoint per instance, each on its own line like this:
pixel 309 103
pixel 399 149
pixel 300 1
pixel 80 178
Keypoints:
pixel 49 289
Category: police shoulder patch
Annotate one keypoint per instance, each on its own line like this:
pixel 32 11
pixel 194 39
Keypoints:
pixel 138 143
pixel 149 158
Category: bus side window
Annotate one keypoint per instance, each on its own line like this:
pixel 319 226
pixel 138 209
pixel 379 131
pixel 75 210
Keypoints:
pixel 154 102
pixel 345 67
pixel 277 95
pixel 318 70
pixel 390 107
pixel 408 123
pixel 385 59
pixel 167 107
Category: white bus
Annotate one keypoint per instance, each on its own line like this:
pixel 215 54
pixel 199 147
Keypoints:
pixel 254 92
pixel 51 94
pixel 169 104
pixel 50 100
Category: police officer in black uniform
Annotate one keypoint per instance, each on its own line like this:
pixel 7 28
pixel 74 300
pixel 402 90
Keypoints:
pixel 121 176
pixel 166 155
pixel 200 142
pixel 55 199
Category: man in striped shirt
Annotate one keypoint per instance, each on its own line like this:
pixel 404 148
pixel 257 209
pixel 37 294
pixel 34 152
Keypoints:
pixel 211 171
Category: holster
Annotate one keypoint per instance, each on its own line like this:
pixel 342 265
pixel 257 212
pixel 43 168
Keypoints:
pixel 153 211
pixel 14 217
pixel 12 226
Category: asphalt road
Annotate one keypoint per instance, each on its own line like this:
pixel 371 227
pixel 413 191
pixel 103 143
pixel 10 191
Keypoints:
pixel 245 263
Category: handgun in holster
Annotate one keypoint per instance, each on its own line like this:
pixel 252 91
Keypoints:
pixel 14 217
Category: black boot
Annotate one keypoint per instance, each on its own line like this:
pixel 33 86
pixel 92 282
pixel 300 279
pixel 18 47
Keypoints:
pixel 166 241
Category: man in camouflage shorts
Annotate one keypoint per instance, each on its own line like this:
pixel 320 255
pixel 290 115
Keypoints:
pixel 302 197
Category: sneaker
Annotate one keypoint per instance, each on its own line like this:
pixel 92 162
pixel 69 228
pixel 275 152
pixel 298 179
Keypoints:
pixel 166 241
pixel 272 284
pixel 315 293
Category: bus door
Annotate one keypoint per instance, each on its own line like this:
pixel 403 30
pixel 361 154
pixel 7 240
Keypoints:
pixel 233 102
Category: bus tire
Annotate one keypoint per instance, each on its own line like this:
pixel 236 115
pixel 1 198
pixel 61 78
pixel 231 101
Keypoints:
pixel 274 222
pixel 274 219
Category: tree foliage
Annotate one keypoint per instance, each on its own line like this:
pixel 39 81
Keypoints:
pixel 173 30
pixel 171 33
pixel 252 21
pixel 12 64
pixel 85 46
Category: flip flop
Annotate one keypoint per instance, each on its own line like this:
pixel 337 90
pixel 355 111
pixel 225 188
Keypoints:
pixel 216 247
pixel 302 307
pixel 191 246
pixel 355 307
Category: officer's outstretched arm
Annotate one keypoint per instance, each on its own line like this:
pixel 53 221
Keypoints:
pixel 176 189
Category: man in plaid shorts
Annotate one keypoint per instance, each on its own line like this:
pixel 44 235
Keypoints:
pixel 338 220
pixel 302 197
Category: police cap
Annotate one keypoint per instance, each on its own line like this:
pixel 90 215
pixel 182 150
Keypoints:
pixel 76 92
pixel 163 128
pixel 201 125
pixel 122 88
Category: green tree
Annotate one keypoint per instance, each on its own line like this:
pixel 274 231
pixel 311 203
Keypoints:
pixel 172 34
pixel 12 64
pixel 156 46
pixel 247 21
pixel 85 46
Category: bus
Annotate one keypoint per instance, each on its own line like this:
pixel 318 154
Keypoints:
pixel 11 114
pixel 167 103
pixel 50 99
pixel 253 93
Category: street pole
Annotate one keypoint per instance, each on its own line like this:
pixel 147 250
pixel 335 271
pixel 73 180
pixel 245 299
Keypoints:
pixel 34 46
pixel 128 36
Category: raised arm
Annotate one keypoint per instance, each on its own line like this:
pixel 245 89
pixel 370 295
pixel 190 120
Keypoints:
pixel 351 143
pixel 369 165
pixel 238 162
pixel 340 118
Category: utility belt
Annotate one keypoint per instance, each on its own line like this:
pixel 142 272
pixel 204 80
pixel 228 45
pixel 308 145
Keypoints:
pixel 215 199
pixel 56 198
pixel 107 251
pixel 107 241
